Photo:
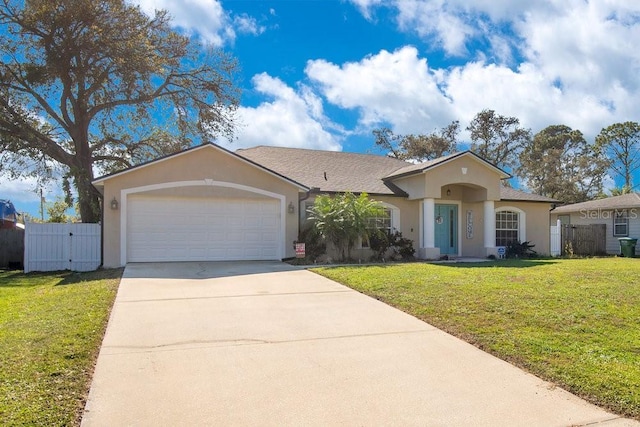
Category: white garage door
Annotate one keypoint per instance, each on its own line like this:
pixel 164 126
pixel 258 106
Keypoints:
pixel 172 229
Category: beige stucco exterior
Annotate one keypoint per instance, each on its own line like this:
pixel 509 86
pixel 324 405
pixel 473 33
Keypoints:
pixel 537 223
pixel 206 171
pixel 471 222
pixel 209 172
pixel 474 180
pixel 468 182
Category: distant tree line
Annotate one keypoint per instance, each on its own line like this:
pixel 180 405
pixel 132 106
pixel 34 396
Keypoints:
pixel 556 162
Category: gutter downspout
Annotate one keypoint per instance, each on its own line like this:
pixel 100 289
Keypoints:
pixel 312 190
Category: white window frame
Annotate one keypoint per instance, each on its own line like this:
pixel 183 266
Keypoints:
pixel 304 204
pixel 522 222
pixel 624 215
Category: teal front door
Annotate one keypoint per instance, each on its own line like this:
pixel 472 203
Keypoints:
pixel 446 230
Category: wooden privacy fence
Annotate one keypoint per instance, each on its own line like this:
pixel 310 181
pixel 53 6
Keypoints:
pixel 583 239
pixel 52 247
pixel 11 248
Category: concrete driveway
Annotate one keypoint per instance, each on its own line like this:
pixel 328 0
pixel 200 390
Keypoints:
pixel 267 344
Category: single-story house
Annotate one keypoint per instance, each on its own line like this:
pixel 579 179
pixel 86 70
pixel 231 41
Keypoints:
pixel 620 215
pixel 208 203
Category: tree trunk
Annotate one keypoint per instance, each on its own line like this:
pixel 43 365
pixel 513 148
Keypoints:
pixel 88 195
pixel 88 200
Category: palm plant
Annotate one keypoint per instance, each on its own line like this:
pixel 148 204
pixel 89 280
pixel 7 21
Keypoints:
pixel 343 219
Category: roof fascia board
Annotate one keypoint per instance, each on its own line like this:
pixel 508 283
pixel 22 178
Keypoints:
pixel 503 174
pixel 100 181
pixel 527 201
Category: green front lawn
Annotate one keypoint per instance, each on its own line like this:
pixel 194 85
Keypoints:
pixel 51 327
pixel 575 323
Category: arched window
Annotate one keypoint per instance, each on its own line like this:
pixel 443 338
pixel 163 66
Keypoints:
pixel 510 226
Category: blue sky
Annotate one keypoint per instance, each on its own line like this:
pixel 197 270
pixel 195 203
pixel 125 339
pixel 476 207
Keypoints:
pixel 323 74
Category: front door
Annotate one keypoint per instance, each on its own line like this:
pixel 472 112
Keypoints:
pixel 446 230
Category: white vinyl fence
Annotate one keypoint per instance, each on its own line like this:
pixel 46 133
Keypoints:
pixel 556 239
pixel 52 247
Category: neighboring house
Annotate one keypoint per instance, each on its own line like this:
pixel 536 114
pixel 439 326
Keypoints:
pixel 208 203
pixel 8 215
pixel 620 215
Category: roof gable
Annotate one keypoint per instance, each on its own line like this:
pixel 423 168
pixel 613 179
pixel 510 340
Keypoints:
pixel 98 182
pixel 420 168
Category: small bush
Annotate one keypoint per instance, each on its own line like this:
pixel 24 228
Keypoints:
pixel 517 249
pixel 568 250
pixel 403 246
pixel 379 243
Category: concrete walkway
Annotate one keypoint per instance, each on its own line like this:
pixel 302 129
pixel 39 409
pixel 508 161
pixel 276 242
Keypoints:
pixel 235 344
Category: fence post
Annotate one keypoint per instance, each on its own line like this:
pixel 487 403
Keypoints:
pixel 559 237
pixel 554 247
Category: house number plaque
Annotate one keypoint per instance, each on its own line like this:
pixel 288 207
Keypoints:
pixel 469 224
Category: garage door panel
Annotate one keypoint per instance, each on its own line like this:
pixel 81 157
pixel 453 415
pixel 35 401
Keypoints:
pixel 163 229
pixel 268 222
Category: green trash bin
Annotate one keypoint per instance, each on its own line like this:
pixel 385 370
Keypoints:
pixel 628 246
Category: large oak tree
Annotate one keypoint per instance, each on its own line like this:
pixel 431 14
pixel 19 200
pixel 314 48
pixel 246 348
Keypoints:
pixel 97 85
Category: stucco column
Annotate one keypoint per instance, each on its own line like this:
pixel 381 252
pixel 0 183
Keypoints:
pixel 428 232
pixel 489 226
pixel 428 225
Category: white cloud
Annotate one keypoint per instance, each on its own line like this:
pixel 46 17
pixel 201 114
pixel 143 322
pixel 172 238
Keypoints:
pixel 524 93
pixel 586 45
pixel 434 20
pixel 366 6
pixel 246 24
pixel 553 61
pixel 399 88
pixel 550 61
pixel 291 119
pixel 206 19
pixel 19 191
pixel 25 192
pixel 446 25
pixel 395 87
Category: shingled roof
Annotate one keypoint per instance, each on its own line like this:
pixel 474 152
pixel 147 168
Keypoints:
pixel 330 171
pixel 624 201
pixel 339 171
pixel 511 194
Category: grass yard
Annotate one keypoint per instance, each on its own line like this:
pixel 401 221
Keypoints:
pixel 573 322
pixel 51 327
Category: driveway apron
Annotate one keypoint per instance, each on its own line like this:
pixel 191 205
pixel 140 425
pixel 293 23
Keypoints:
pixel 264 343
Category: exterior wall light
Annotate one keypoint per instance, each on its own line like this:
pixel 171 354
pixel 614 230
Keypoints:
pixel 448 192
pixel 291 209
pixel 114 204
